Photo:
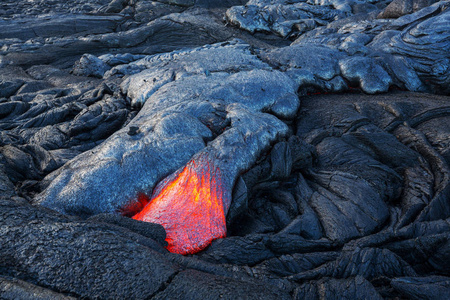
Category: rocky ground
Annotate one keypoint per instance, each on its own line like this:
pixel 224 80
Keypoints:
pixel 324 128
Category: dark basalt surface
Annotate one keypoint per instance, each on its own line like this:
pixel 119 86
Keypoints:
pixel 329 121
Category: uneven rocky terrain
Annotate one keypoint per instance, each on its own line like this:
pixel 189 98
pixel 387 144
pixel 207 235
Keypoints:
pixel 194 149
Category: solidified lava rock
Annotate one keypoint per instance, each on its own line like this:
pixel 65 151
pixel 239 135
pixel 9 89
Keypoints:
pixel 81 258
pixel 295 149
pixel 192 203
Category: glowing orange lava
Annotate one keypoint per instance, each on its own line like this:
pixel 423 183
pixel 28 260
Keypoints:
pixel 191 205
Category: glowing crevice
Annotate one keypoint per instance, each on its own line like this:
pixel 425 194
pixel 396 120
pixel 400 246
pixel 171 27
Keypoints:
pixel 191 205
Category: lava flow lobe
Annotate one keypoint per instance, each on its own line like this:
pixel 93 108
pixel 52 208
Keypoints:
pixel 191 205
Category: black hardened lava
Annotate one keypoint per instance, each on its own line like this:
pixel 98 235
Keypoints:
pixel 194 149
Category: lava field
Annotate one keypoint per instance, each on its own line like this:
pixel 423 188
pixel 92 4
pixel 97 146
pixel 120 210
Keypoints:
pixel 195 149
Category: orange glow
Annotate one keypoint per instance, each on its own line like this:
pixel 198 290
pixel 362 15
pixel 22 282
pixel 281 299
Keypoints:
pixel 191 205
pixel 135 207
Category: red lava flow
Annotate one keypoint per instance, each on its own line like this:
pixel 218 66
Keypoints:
pixel 191 205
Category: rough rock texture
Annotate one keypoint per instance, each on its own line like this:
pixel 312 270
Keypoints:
pixel 12 288
pixel 409 52
pixel 355 288
pixel 432 287
pixel 320 126
pixel 195 285
pixel 398 8
pixel 56 252
pixel 281 18
pixel 172 126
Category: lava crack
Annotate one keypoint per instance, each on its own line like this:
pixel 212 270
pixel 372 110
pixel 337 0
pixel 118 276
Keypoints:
pixel 191 205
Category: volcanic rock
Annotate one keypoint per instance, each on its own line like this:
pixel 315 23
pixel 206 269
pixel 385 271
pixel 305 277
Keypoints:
pixel 329 289
pixel 398 8
pixel 170 115
pixel 82 258
pixel 433 287
pixel 294 149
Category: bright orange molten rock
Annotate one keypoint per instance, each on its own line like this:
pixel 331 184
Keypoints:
pixel 191 205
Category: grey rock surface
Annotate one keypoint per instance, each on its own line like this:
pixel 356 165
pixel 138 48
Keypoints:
pixel 433 287
pixel 356 287
pixel 78 257
pixel 413 57
pixel 195 285
pixel 12 288
pixel 398 8
pixel 90 65
pixel 281 18
pixel 171 127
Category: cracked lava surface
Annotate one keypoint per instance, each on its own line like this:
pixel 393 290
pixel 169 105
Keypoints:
pixel 191 205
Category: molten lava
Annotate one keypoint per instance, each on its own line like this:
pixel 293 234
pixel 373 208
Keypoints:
pixel 191 205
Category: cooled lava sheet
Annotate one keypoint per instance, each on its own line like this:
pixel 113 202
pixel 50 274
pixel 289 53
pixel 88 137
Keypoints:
pixel 193 149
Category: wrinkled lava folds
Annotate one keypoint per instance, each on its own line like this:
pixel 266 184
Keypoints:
pixel 191 205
